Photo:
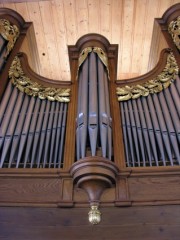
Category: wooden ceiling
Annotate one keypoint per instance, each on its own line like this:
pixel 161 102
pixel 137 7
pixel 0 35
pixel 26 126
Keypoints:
pixel 59 23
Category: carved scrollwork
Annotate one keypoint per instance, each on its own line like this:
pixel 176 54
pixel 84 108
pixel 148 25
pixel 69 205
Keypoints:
pixel 156 85
pixel 25 84
pixel 10 33
pixel 174 30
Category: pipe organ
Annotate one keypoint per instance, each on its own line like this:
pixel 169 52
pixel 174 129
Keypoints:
pixel 93 119
pixel 95 139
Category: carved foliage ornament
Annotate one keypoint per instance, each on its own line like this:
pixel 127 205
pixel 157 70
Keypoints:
pixel 25 84
pixel 174 30
pixel 101 54
pixel 10 33
pixel 156 85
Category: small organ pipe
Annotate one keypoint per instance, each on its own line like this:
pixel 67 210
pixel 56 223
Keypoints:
pixel 93 104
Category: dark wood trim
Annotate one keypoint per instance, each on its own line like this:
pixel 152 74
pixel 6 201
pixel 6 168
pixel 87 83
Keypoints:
pixel 54 188
pixel 36 77
pixel 151 74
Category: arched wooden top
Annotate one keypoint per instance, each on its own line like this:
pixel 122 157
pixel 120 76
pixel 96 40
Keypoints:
pixel 171 14
pixel 151 74
pixel 36 77
pixel 14 18
pixel 93 40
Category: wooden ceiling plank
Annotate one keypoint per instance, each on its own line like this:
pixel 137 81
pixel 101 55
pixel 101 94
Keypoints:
pixel 138 32
pixel 50 39
pixel 23 10
pixel 70 17
pixel 164 5
pixel 93 14
pixel 128 25
pixel 60 30
pixel 105 18
pixel 35 17
pixel 116 27
pixel 152 11
pixel 82 17
pixel 10 5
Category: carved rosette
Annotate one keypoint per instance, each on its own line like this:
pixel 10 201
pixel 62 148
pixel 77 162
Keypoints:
pixel 10 33
pixel 25 84
pixel 156 85
pixel 174 30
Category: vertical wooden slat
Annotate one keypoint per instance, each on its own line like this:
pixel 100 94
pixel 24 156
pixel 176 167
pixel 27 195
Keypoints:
pixel 152 9
pixel 116 28
pixel 50 38
pixel 105 18
pixel 61 38
pixel 35 17
pixel 94 16
pixel 127 38
pixel 70 21
pixel 22 9
pixel 138 34
pixel 82 17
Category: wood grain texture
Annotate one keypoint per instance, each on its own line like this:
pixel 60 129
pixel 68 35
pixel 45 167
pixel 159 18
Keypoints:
pixel 30 190
pixel 59 23
pixel 137 223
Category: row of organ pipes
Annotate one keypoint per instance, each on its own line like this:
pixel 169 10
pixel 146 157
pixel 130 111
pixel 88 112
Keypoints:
pixel 93 117
pixel 151 128
pixel 32 131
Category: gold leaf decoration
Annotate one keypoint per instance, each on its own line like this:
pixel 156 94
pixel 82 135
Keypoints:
pixel 174 30
pixel 10 33
pixel 83 55
pixel 156 85
pixel 101 54
pixel 25 84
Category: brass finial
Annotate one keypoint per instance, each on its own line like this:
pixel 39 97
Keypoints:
pixel 94 215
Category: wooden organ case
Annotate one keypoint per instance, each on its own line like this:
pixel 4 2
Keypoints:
pixel 94 140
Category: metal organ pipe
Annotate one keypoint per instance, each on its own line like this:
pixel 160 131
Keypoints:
pixel 151 129
pixel 32 131
pixel 93 117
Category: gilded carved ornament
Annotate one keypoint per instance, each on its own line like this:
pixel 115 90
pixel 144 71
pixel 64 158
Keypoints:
pixel 156 85
pixel 10 33
pixel 25 84
pixel 174 30
pixel 101 54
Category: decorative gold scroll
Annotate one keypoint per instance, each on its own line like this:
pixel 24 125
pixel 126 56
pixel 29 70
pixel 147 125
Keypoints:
pixel 10 33
pixel 101 54
pixel 25 84
pixel 156 85
pixel 174 30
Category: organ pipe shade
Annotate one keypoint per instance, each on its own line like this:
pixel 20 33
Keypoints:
pixel 93 131
pixel 32 131
pixel 151 129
